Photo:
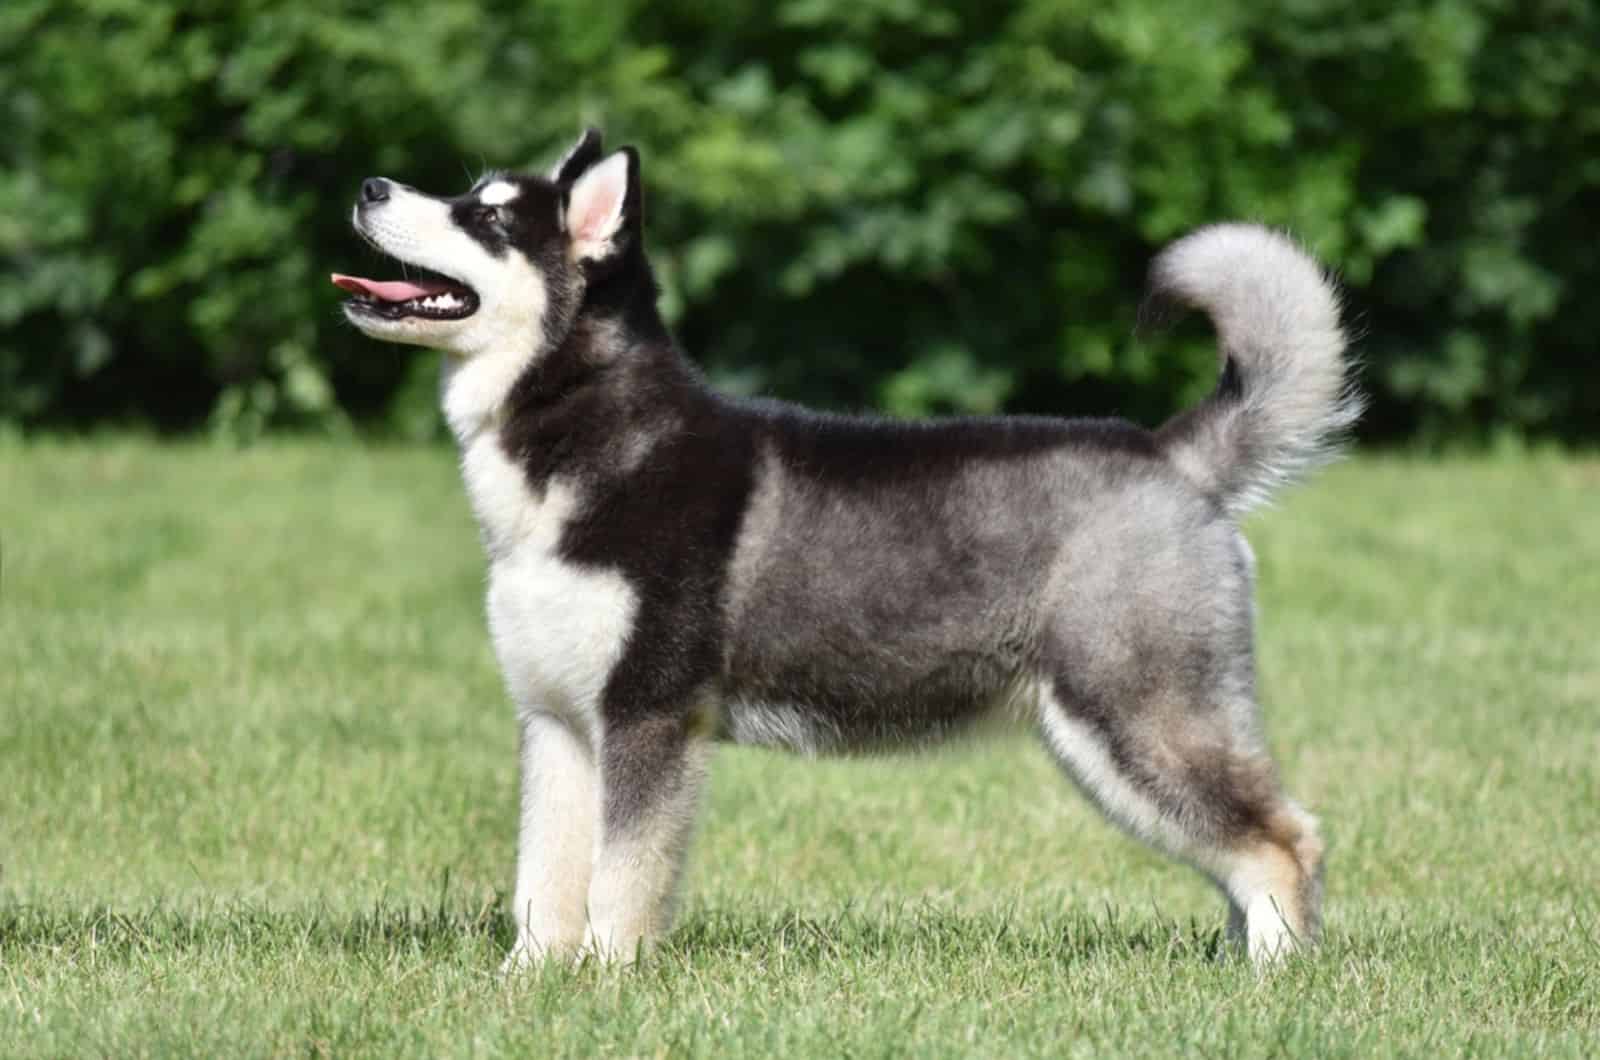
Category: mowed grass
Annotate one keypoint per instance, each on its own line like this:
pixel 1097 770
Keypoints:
pixel 257 797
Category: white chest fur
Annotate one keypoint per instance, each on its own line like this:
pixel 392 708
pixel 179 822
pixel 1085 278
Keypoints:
pixel 558 627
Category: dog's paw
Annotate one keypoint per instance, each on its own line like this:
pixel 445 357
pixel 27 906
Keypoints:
pixel 528 955
pixel 610 955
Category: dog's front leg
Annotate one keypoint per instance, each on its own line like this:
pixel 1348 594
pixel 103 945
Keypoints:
pixel 555 843
pixel 652 771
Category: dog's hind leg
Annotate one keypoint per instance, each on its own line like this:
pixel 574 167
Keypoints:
pixel 652 771
pixel 1192 780
pixel 555 843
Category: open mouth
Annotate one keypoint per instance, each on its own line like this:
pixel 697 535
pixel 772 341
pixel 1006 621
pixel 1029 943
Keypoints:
pixel 430 296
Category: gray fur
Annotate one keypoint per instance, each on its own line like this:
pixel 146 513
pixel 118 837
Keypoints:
pixel 667 560
pixel 1277 319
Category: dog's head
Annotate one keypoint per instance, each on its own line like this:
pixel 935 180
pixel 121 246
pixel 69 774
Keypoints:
pixel 505 264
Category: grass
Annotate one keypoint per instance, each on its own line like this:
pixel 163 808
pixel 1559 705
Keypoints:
pixel 257 797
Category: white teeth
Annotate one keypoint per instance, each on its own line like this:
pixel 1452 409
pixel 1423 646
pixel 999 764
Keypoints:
pixel 444 301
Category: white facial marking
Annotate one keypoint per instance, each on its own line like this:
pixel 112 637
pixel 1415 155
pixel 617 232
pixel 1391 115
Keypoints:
pixel 499 193
pixel 419 229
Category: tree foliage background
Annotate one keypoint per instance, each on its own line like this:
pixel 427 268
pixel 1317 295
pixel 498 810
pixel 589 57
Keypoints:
pixel 926 206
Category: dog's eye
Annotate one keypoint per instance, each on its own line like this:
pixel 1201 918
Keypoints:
pixel 492 215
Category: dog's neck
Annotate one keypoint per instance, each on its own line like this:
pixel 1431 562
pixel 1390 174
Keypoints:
pixel 614 339
pixel 473 391
pixel 591 408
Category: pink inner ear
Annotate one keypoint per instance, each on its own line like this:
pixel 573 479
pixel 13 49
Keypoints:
pixel 596 202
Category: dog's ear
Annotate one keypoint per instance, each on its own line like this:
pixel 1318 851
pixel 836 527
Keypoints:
pixel 579 157
pixel 605 207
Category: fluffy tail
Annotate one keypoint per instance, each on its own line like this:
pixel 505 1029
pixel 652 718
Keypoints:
pixel 1285 396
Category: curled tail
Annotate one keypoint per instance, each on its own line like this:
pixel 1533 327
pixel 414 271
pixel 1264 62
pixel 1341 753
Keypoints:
pixel 1286 394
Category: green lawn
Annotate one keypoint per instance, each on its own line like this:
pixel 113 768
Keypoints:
pixel 257 796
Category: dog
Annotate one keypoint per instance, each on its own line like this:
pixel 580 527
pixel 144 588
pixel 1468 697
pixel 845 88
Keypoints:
pixel 669 566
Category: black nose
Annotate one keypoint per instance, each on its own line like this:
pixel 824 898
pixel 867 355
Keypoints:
pixel 374 189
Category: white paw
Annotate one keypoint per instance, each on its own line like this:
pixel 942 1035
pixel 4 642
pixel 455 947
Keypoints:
pixel 601 950
pixel 525 955
pixel 1270 937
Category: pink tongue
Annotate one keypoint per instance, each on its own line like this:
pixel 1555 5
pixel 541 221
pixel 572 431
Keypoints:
pixel 388 290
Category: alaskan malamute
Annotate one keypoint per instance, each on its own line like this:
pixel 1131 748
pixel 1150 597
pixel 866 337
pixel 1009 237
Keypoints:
pixel 669 565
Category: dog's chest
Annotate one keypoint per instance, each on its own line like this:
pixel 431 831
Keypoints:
pixel 558 627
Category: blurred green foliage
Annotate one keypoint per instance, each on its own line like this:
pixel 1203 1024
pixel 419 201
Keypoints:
pixel 927 206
